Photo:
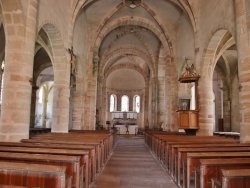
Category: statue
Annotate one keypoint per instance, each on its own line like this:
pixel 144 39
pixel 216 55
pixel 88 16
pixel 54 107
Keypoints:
pixel 73 67
pixel 72 60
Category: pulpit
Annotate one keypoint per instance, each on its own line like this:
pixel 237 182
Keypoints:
pixel 188 114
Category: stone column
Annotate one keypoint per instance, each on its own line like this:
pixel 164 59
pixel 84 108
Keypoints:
pixel 131 102
pixel 161 99
pixel 99 100
pixel 144 104
pixel 206 106
pixel 242 38
pixel 119 101
pixel 33 106
pixel 20 45
pixel 154 101
pixel 105 115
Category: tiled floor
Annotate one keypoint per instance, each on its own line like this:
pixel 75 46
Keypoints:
pixel 133 166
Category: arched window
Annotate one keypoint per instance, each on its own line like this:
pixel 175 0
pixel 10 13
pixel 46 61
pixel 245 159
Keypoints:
pixel 113 102
pixel 125 103
pixel 44 104
pixel 40 98
pixel 137 104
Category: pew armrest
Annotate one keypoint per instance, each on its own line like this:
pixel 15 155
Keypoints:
pixel 68 181
pixel 215 183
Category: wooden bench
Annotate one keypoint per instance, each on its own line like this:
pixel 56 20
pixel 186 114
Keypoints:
pixel 90 149
pixel 173 156
pixel 11 186
pixel 233 178
pixel 33 175
pixel 84 137
pixel 70 152
pixel 162 144
pixel 182 156
pixel 193 162
pixel 99 151
pixel 73 163
pixel 235 135
pixel 211 168
pixel 176 146
pixel 167 156
pixel 101 141
pixel 172 148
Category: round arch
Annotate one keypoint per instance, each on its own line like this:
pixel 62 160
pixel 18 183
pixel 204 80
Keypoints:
pixel 120 66
pixel 214 47
pixel 120 52
pixel 61 82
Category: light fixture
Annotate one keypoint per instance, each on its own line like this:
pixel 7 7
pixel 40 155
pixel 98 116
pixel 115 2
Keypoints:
pixel 132 5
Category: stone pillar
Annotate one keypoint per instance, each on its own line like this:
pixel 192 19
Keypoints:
pixel 76 102
pixel 33 106
pixel 99 100
pixel 105 106
pixel 90 107
pixel 145 103
pixel 161 99
pixel 206 106
pixel 119 102
pixel 154 101
pixel 131 102
pixel 20 45
pixel 243 48
pixel 60 108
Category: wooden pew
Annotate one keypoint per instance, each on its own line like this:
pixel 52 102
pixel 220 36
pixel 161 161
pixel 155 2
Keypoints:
pixel 173 156
pixel 102 141
pixel 99 152
pixel 90 149
pixel 235 135
pixel 176 146
pixel 99 140
pixel 33 175
pixel 211 168
pixel 11 186
pixel 233 178
pixel 112 134
pixel 193 161
pixel 172 148
pixel 182 156
pixel 75 168
pixel 83 154
pixel 168 142
pixel 162 144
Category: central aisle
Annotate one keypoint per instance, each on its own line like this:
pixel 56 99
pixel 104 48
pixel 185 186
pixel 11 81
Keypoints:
pixel 133 166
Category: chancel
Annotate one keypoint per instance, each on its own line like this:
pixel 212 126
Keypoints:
pixel 142 84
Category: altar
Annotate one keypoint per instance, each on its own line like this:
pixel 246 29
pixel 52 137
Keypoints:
pixel 125 122
pixel 126 129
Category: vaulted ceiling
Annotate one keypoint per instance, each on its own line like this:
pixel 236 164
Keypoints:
pixel 136 33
